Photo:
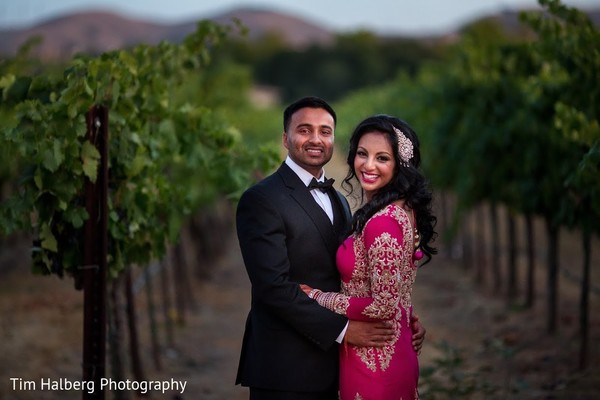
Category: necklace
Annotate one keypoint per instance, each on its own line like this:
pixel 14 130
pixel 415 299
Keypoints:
pixel 418 254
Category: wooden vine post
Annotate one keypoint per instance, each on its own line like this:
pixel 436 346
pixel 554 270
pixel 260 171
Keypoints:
pixel 95 252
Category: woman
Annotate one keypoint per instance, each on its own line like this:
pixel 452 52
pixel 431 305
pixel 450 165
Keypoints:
pixel 391 233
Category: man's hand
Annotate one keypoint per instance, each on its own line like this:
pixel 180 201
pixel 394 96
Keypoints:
pixel 418 333
pixel 369 334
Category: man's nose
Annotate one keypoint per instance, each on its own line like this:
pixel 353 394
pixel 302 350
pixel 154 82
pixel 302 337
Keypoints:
pixel 315 137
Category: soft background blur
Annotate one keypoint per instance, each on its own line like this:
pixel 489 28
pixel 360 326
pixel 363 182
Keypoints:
pixel 381 16
pixel 506 107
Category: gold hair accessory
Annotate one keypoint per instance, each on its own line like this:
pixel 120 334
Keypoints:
pixel 405 147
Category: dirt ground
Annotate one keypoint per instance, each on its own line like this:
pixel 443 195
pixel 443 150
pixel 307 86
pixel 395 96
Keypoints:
pixel 506 351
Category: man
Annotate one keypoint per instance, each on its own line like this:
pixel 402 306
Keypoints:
pixel 289 233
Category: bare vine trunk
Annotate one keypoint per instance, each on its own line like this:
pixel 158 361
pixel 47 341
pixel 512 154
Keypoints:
pixel 511 289
pixel 530 243
pixel 496 272
pixel 479 244
pixel 585 299
pixel 134 342
pixel 154 341
pixel 552 289
pixel 167 306
pixel 116 335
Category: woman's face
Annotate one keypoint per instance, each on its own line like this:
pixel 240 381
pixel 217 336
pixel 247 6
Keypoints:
pixel 374 163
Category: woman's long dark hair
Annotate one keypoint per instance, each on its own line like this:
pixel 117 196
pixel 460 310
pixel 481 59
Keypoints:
pixel 408 183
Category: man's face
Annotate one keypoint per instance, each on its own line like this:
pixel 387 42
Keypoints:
pixel 309 138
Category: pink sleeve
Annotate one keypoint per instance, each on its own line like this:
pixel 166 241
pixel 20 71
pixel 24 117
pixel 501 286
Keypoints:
pixel 383 243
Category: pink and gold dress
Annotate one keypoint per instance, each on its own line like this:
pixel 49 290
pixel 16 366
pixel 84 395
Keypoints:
pixel 378 271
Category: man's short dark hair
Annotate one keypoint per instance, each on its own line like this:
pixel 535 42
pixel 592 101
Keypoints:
pixel 310 102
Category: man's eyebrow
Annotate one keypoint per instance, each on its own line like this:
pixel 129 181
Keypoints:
pixel 307 125
pixel 326 127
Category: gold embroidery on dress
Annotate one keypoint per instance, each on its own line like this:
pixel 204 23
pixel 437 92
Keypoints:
pixel 393 274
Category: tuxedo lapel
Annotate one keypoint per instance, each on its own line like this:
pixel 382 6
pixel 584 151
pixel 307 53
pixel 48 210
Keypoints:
pixel 341 214
pixel 300 193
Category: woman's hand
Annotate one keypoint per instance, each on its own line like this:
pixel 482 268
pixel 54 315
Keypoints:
pixel 305 288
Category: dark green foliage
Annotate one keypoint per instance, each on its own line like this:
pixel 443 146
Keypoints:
pixel 171 152
pixel 353 61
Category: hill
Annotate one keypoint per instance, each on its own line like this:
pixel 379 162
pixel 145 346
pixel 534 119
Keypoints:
pixel 95 32
pixel 89 32
pixel 98 31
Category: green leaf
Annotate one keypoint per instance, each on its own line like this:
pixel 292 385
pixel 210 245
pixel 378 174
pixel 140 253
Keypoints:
pixel 72 110
pixel 17 90
pixel 53 157
pixel 137 164
pixel 90 158
pixel 7 80
pixel 116 93
pixel 47 238
pixel 76 216
pixel 37 178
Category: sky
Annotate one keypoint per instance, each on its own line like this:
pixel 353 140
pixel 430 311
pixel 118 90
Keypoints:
pixel 417 17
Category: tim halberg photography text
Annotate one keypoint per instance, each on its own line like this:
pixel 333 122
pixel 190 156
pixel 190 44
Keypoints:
pixel 63 384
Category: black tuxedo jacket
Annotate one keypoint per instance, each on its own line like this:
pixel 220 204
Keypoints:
pixel 287 239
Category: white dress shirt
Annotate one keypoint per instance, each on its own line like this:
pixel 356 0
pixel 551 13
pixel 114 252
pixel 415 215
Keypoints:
pixel 320 197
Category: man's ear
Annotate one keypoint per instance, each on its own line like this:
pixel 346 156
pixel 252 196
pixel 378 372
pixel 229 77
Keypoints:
pixel 284 140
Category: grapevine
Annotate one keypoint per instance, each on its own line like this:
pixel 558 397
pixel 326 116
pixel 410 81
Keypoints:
pixel 167 157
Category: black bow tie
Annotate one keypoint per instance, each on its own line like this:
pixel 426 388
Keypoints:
pixel 323 186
